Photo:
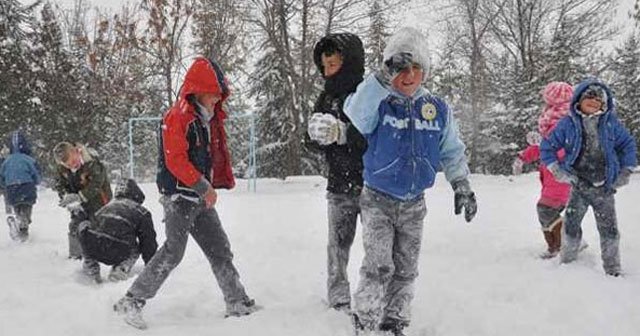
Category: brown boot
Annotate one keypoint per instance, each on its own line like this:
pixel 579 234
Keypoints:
pixel 550 239
pixel 556 231
pixel 553 237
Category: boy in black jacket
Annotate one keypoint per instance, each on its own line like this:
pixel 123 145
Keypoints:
pixel 121 232
pixel 340 60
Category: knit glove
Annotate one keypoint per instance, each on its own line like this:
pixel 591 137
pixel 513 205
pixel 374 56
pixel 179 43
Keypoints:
pixel 72 202
pixel 326 129
pixel 516 166
pixel 562 175
pixel 464 198
pixel 623 178
pixel 392 67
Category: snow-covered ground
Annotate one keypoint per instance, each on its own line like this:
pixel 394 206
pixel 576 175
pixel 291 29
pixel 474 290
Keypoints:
pixel 476 279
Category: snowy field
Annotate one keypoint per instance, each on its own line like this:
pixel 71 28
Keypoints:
pixel 475 279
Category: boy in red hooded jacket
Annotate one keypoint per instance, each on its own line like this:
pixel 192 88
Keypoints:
pixel 194 160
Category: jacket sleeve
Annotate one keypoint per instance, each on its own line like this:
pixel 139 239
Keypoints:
pixel 530 154
pixel 92 190
pixel 35 172
pixel 61 183
pixel 452 157
pixel 362 106
pixel 175 147
pixel 146 235
pixel 550 145
pixel 625 147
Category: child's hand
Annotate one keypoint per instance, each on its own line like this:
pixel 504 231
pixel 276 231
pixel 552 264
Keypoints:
pixel 326 129
pixel 210 197
pixel 562 175
pixel 516 167
pixel 623 178
pixel 69 199
pixel 464 198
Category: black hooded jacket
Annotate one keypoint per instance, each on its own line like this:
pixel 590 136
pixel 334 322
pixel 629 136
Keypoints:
pixel 123 225
pixel 345 161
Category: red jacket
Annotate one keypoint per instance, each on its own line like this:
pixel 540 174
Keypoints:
pixel 554 194
pixel 184 139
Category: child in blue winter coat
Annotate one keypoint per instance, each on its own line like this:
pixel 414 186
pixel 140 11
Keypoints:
pixel 411 134
pixel 600 156
pixel 19 175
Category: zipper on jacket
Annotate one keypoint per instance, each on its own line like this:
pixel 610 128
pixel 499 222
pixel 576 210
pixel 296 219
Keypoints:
pixel 413 152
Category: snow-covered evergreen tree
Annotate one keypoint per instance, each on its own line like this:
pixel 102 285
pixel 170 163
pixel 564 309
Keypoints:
pixel 626 81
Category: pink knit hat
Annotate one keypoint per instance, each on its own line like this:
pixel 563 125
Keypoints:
pixel 557 96
pixel 556 93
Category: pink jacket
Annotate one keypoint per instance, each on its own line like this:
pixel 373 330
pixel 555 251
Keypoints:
pixel 554 193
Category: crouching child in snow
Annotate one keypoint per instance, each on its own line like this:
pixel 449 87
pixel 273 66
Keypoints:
pixel 340 59
pixel 600 156
pixel 555 194
pixel 83 186
pixel 19 176
pixel 121 231
pixel 410 134
pixel 193 161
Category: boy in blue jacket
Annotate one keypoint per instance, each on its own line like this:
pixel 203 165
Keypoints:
pixel 410 135
pixel 600 156
pixel 19 175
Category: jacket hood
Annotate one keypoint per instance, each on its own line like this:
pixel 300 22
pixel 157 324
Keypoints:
pixel 409 40
pixel 352 70
pixel 204 76
pixel 582 87
pixel 18 143
pixel 128 188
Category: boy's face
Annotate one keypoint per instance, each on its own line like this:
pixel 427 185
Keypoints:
pixel 331 64
pixel 590 105
pixel 408 80
pixel 74 160
pixel 208 100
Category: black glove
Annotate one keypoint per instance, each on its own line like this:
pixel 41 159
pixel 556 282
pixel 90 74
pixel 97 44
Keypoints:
pixel 392 67
pixel 464 197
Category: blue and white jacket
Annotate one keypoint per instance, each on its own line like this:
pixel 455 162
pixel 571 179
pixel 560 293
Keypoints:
pixel 19 173
pixel 409 139
pixel 618 145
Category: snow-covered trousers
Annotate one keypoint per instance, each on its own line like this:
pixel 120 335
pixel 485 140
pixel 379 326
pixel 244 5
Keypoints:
pixel 603 203
pixel 184 217
pixel 392 235
pixel 75 249
pixel 343 212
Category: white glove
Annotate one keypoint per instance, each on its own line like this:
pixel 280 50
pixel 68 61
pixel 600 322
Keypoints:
pixel 562 175
pixel 69 199
pixel 326 129
pixel 516 167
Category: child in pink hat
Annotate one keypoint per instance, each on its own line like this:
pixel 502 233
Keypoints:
pixel 555 195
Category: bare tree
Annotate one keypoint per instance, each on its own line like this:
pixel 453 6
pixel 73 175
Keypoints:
pixel 166 28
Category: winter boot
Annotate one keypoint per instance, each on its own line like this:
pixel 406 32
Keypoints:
pixel 362 329
pixel 131 308
pixel 23 231
pixel 241 308
pixel 393 327
pixel 14 229
pixel 553 237
pixel 119 273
